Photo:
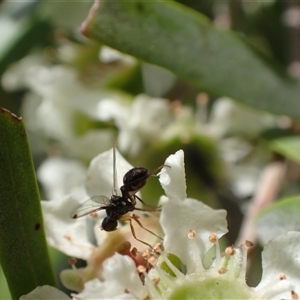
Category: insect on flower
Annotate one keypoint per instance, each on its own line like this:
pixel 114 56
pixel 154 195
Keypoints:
pixel 118 206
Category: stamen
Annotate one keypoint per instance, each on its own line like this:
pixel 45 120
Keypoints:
pixel 172 267
pixel 236 264
pixel 282 276
pixel 239 261
pixel 222 271
pixel 164 276
pixel 152 260
pixel 192 234
pixel 146 254
pixel 151 287
pixel 248 244
pixel 224 264
pixel 72 261
pixel 141 269
pixel 213 238
pixel 294 295
pixel 158 248
pixel 275 287
pixel 245 249
pixel 68 237
pixel 230 251
pixel 156 281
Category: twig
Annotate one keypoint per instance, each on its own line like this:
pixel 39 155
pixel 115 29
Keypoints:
pixel 267 190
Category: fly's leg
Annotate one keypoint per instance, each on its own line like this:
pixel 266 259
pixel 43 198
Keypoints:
pixel 133 233
pixel 136 219
pixel 154 208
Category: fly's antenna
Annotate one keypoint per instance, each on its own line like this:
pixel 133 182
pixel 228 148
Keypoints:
pixel 155 173
pixel 114 191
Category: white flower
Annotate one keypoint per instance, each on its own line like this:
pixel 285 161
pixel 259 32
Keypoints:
pixel 75 237
pixel 120 281
pixel 45 292
pixel 60 107
pixel 109 55
pixel 141 122
pixel 191 229
pixel 119 274
pixel 60 176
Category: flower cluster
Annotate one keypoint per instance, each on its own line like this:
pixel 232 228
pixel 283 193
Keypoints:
pixel 178 271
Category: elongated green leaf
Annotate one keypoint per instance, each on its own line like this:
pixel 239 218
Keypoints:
pixel 23 249
pixel 170 35
pixel 278 219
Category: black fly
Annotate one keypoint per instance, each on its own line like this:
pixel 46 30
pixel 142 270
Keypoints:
pixel 118 206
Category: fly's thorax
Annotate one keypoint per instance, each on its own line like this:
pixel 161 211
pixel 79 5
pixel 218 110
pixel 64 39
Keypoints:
pixel 134 180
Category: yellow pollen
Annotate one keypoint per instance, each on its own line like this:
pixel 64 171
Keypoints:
pixel 158 247
pixel 230 251
pixel 141 269
pixel 213 238
pixel 282 276
pixel 222 271
pixel 156 281
pixel 146 254
pixel 248 244
pixel 294 295
pixel 152 260
pixel 68 237
pixel 192 234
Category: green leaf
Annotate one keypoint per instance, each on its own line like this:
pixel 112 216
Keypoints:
pixel 288 146
pixel 23 249
pixel 173 36
pixel 279 218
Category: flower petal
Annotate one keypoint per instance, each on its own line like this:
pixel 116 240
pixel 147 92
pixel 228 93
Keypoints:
pixel 119 274
pixel 62 232
pixel 122 270
pixel 179 218
pixel 172 179
pixel 281 256
pixel 100 173
pixel 61 176
pixel 95 289
pixel 45 292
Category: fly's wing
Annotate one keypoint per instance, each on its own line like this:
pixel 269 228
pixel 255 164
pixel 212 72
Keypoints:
pixel 89 206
